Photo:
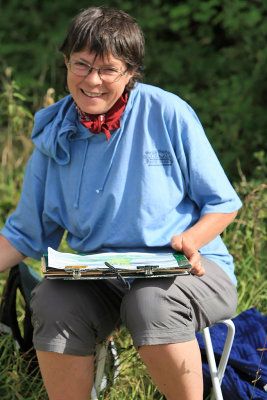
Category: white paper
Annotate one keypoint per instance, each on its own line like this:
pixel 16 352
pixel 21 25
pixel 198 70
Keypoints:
pixel 126 261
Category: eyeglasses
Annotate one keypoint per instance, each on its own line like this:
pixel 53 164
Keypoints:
pixel 107 74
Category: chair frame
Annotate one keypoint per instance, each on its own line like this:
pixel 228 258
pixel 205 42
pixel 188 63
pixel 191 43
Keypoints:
pixel 216 373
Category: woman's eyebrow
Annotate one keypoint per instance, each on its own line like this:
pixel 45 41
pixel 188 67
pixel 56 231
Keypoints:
pixel 81 59
pixel 105 64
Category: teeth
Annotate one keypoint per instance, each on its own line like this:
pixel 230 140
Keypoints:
pixel 92 94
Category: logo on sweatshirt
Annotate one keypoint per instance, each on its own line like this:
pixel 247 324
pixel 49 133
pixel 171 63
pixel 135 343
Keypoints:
pixel 158 157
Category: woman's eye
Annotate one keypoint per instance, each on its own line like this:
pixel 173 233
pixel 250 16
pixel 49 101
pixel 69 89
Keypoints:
pixel 80 64
pixel 109 71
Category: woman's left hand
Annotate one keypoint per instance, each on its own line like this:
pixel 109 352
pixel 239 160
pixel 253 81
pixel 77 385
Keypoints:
pixel 185 245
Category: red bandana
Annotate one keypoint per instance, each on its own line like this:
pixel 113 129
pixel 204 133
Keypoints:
pixel 97 123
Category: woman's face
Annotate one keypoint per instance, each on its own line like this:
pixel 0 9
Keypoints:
pixel 92 94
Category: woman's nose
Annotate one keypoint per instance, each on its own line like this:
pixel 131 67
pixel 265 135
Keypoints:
pixel 93 76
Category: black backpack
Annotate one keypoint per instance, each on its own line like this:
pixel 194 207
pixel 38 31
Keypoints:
pixel 21 281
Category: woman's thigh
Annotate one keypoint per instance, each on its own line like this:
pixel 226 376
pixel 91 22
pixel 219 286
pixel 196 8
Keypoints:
pixel 70 317
pixel 171 310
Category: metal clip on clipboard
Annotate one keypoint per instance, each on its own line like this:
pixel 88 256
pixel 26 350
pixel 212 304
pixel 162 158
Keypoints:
pixel 75 270
pixel 148 269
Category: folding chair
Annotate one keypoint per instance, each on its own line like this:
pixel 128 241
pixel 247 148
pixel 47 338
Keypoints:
pixel 216 373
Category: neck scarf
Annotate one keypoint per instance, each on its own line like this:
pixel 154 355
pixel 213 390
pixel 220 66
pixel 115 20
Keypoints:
pixel 97 123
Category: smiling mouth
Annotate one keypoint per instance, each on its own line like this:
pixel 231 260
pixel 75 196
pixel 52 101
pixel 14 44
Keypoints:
pixel 88 94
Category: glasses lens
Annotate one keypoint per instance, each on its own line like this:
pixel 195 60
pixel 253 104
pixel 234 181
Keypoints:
pixel 109 74
pixel 79 69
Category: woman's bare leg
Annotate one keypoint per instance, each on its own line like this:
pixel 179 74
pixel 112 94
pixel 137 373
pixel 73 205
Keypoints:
pixel 176 369
pixel 66 377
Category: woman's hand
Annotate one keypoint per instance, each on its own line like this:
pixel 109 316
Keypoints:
pixel 202 232
pixel 185 245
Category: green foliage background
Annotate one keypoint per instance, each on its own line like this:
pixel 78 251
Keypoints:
pixel 212 53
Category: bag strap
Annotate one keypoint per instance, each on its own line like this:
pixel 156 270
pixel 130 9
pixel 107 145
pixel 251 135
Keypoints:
pixel 18 279
pixel 8 305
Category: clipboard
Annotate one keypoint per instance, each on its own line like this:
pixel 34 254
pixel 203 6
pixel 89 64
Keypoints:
pixel 114 265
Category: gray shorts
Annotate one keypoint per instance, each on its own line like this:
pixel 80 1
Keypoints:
pixel 70 317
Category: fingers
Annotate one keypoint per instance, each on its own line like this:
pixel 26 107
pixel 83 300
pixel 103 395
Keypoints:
pixel 186 246
pixel 198 269
pixel 177 242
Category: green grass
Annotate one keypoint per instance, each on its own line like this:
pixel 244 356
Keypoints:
pixel 16 382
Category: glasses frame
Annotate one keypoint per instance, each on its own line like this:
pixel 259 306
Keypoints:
pixel 91 68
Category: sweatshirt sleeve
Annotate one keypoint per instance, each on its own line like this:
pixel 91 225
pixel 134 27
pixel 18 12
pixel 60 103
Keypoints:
pixel 27 229
pixel 206 182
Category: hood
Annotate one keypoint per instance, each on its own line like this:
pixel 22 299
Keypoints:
pixel 55 127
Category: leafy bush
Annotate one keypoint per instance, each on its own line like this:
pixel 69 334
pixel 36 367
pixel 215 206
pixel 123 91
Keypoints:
pixel 16 125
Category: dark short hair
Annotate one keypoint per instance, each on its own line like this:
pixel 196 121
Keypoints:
pixel 104 30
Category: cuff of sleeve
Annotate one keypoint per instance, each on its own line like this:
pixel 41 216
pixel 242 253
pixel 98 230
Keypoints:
pixel 226 208
pixel 20 245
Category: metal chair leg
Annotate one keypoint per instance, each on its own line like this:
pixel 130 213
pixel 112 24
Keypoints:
pixel 217 374
pixel 101 380
pixel 101 356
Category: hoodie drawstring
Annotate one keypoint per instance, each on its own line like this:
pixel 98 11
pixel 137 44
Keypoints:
pixel 99 190
pixel 76 203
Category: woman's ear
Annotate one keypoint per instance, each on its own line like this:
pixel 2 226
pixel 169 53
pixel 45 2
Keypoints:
pixel 66 60
pixel 132 72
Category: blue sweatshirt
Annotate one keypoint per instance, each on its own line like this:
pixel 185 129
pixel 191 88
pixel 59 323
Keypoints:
pixel 154 178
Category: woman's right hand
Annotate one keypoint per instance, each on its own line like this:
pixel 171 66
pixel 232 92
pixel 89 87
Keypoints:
pixel 185 245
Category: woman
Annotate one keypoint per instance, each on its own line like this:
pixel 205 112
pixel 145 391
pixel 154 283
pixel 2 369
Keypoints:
pixel 123 166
